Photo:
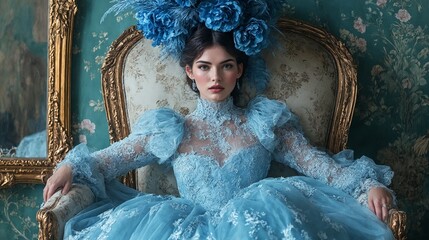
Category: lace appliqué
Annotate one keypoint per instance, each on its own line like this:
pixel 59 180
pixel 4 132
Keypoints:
pixel 216 130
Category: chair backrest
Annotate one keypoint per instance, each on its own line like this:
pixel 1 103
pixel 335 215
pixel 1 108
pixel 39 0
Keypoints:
pixel 312 72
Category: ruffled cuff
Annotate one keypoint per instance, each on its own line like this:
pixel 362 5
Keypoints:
pixel 361 193
pixel 165 129
pixel 365 173
pixel 85 170
pixel 265 116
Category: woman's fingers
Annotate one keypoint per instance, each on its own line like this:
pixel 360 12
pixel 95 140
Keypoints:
pixel 61 179
pixel 49 189
pixel 385 211
pixel 379 211
pixel 66 188
pixel 45 194
pixel 380 202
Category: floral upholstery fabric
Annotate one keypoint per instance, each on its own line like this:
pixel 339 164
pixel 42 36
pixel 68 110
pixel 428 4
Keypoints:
pixel 63 207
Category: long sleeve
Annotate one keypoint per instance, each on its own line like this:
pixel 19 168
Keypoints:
pixel 279 131
pixel 354 176
pixel 154 138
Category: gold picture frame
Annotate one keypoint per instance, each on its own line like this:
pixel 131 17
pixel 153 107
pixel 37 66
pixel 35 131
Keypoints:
pixel 36 170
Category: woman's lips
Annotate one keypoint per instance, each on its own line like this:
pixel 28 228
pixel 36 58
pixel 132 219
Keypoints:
pixel 216 88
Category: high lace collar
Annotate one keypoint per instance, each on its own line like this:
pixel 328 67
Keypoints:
pixel 216 111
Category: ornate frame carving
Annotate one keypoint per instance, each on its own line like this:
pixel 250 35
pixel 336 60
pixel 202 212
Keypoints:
pixel 114 99
pixel 36 170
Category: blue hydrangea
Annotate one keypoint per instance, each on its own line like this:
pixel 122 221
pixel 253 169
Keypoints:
pixel 252 37
pixel 186 3
pixel 220 15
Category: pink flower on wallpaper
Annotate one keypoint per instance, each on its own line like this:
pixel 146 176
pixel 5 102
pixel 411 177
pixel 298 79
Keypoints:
pixel 88 125
pixel 403 15
pixel 354 43
pixel 376 70
pixel 82 138
pixel 359 25
pixel 381 3
pixel 361 44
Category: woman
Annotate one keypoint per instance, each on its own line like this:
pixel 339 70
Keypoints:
pixel 220 154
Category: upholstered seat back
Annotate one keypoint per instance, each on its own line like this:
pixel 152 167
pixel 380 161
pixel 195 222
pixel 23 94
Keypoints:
pixel 310 70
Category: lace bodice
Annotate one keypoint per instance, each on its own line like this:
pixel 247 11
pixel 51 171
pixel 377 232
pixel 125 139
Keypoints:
pixel 218 144
pixel 216 131
pixel 220 149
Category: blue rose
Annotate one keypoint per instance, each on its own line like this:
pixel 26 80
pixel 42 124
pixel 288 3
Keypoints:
pixel 186 3
pixel 220 15
pixel 158 25
pixel 166 26
pixel 252 37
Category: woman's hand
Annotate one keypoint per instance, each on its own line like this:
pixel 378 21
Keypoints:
pixel 380 201
pixel 61 179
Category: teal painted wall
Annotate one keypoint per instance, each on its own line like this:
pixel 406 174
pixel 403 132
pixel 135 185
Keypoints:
pixel 389 41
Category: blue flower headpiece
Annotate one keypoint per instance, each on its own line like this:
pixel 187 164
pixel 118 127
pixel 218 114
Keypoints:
pixel 169 24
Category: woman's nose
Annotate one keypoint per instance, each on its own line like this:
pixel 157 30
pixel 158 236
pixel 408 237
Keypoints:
pixel 216 75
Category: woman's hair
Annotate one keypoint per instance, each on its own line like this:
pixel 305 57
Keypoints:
pixel 204 38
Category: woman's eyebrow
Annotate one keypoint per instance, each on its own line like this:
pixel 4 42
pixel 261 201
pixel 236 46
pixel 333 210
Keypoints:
pixel 201 61
pixel 228 60
pixel 206 62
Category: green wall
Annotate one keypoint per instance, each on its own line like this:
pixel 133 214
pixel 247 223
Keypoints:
pixel 390 44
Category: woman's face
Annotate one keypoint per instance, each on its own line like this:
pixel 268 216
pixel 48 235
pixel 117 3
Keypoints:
pixel 215 72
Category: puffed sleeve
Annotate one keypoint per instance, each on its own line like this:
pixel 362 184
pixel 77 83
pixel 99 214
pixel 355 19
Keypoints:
pixel 264 116
pixel 154 138
pixel 280 132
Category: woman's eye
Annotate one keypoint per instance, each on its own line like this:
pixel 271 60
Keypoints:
pixel 228 66
pixel 203 67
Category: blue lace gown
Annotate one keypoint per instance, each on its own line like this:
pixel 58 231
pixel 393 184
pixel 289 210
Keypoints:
pixel 220 155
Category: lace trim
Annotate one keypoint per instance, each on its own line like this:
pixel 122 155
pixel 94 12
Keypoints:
pixel 214 112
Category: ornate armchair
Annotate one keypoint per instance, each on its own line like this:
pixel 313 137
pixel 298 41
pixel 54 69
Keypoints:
pixel 313 72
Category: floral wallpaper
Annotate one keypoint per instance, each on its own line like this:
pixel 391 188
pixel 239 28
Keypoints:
pixel 394 101
pixel 389 40
pixel 18 212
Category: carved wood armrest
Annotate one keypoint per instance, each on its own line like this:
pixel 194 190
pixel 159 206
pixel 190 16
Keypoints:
pixel 55 212
pixel 397 221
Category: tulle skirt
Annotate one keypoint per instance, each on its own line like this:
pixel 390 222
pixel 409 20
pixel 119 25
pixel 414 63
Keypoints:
pixel 274 208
